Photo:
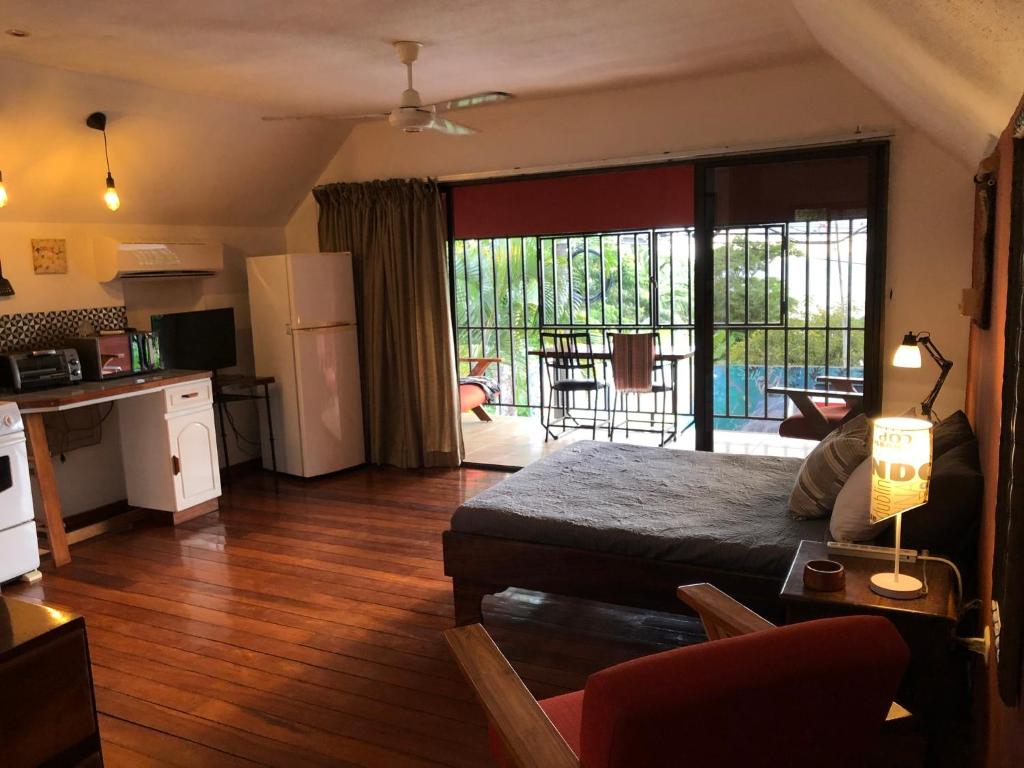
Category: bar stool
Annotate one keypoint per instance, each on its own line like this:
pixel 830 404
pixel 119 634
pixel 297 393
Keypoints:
pixel 637 371
pixel 570 367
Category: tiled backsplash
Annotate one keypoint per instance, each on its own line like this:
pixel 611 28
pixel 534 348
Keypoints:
pixel 35 330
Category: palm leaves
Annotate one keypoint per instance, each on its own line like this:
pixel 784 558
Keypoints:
pixel 507 288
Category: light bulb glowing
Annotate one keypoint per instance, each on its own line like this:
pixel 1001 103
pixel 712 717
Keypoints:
pixel 908 354
pixel 3 191
pixel 110 197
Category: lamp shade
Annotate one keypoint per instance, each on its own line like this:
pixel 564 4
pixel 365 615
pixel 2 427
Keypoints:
pixel 901 465
pixel 908 354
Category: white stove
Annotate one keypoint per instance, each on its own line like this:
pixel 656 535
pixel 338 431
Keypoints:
pixel 19 548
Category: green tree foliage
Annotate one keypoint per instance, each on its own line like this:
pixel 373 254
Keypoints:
pixel 605 281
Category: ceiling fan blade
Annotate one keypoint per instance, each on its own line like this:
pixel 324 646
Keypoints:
pixel 329 118
pixel 474 100
pixel 452 129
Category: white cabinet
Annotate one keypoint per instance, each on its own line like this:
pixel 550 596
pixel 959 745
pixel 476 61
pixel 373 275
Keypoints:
pixel 193 442
pixel 169 448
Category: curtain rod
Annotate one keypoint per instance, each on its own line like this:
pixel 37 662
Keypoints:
pixel 691 154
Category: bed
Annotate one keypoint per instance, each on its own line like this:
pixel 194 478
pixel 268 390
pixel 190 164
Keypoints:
pixel 628 524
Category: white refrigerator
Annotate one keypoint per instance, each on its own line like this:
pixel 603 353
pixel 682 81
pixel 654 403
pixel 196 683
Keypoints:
pixel 304 335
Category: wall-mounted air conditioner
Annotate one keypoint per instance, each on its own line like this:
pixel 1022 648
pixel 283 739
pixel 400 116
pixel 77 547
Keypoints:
pixel 116 259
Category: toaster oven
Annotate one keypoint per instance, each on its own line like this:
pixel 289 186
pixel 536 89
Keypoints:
pixel 40 369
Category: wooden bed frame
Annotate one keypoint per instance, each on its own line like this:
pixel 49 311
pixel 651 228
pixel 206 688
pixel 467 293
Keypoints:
pixel 485 565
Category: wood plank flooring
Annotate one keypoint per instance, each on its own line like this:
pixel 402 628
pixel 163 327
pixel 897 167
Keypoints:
pixel 302 628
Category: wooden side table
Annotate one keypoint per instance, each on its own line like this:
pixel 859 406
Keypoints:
pixel 927 624
pixel 47 708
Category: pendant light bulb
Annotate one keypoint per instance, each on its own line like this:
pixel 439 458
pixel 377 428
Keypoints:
pixel 98 122
pixel 110 197
pixel 3 191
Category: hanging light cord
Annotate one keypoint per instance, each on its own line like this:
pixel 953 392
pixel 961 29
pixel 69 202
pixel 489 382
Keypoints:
pixel 106 153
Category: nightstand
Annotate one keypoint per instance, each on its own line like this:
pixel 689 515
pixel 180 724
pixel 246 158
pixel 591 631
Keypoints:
pixel 930 687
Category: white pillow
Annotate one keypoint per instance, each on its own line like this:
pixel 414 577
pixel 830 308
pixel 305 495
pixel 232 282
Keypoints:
pixel 851 519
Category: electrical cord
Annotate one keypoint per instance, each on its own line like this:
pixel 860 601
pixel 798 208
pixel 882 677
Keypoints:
pixel 925 558
pixel 979 645
pixel 67 432
pixel 239 437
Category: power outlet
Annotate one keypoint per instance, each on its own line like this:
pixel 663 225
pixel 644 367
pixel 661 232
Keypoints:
pixel 997 627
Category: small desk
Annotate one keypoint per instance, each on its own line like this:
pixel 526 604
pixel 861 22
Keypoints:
pixel 34 404
pixel 666 354
pixel 926 624
pixel 221 396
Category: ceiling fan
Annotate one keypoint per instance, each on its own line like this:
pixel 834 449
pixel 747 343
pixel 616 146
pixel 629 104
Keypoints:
pixel 412 115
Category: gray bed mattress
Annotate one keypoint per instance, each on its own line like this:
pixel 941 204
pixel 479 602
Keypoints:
pixel 707 509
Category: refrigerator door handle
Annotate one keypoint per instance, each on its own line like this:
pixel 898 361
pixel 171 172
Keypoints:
pixel 287 329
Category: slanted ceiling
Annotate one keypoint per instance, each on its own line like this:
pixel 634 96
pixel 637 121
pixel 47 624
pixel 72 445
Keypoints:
pixel 177 158
pixel 185 83
pixel 954 69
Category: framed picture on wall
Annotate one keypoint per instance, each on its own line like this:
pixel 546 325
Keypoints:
pixel 49 256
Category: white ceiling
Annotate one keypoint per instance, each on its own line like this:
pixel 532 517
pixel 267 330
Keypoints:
pixel 952 68
pixel 334 56
pixel 185 81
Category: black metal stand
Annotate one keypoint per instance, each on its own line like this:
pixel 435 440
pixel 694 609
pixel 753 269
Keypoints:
pixel 221 398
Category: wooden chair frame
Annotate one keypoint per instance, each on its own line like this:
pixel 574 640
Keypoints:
pixel 529 737
pixel 479 366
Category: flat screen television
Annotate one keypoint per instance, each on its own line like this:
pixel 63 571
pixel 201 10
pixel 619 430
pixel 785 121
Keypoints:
pixel 200 341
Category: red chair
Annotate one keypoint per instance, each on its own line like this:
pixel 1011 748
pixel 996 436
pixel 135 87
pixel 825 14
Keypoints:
pixel 800 425
pixel 808 694
pixel 816 419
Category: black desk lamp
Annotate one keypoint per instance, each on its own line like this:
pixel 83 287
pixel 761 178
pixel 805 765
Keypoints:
pixel 908 355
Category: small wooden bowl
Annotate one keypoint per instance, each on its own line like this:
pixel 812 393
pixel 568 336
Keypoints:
pixel 824 576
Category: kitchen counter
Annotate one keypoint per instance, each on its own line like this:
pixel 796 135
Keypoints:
pixel 201 437
pixel 92 392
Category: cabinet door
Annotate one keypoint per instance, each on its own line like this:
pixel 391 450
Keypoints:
pixel 194 446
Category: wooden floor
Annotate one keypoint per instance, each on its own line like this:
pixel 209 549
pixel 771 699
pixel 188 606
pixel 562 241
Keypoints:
pixel 303 628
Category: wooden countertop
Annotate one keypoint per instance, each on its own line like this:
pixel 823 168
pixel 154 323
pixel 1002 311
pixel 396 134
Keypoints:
pixel 89 392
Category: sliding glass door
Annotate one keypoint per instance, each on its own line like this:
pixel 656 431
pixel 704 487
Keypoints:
pixel 770 268
pixel 790 254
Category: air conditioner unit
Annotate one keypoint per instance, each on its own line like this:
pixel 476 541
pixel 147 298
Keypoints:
pixel 135 261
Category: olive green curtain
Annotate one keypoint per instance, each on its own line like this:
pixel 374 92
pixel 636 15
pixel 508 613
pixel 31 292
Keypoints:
pixel 395 231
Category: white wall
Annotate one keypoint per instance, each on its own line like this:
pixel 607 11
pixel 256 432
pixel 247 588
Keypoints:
pixel 930 203
pixel 92 477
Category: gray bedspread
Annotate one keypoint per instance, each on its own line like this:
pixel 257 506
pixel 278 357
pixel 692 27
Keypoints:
pixel 714 510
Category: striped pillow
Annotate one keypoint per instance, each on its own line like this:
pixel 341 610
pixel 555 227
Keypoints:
pixel 827 467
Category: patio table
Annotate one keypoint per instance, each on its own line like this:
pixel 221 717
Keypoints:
pixel 670 355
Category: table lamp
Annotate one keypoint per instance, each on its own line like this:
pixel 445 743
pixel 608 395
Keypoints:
pixel 901 463
pixel 908 355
